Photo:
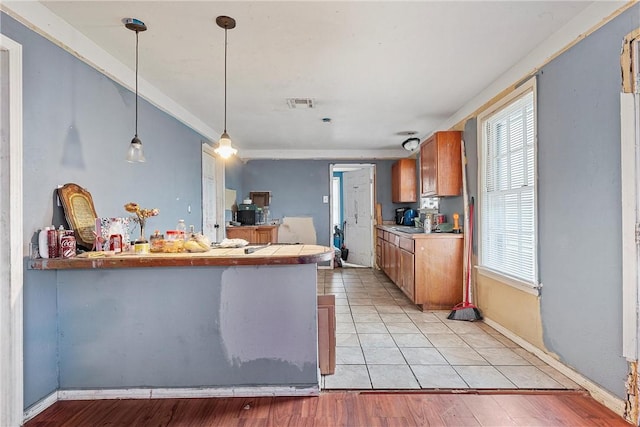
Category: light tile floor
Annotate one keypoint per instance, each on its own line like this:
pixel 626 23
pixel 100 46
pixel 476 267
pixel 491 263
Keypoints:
pixel 385 342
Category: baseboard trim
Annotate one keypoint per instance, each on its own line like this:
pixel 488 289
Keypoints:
pixel 603 396
pixel 178 393
pixel 40 406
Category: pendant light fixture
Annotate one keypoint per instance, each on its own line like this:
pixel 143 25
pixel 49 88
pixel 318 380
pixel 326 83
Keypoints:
pixel 224 149
pixel 135 153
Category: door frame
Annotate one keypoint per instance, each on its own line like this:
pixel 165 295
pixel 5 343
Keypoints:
pixel 345 167
pixel 11 255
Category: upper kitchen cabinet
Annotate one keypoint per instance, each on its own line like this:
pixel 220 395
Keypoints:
pixel 403 181
pixel 441 165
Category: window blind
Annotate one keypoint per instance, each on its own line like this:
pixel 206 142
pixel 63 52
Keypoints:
pixel 508 194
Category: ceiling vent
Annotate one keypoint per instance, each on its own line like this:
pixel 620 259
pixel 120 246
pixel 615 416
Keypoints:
pixel 300 102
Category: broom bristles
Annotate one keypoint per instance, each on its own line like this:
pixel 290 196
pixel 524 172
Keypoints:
pixel 465 311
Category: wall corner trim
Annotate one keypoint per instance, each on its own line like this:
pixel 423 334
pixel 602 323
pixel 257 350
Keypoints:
pixel 40 406
pixel 603 396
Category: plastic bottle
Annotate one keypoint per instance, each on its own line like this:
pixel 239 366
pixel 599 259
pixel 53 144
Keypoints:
pixel 182 228
pixel 43 247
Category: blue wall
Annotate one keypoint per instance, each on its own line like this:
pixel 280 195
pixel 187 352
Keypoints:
pixel 297 188
pixel 580 206
pixel 77 126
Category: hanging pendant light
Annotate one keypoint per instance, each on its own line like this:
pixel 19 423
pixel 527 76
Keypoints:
pixel 225 149
pixel 135 153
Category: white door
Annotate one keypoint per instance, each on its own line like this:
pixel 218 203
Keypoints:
pixel 358 214
pixel 212 194
pixel 11 234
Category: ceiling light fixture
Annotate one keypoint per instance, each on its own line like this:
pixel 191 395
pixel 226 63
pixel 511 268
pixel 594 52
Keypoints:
pixel 135 154
pixel 411 144
pixel 225 149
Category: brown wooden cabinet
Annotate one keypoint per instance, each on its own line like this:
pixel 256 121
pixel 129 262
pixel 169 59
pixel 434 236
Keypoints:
pixel 403 181
pixel 441 165
pixel 254 234
pixel 327 334
pixel 426 267
pixel 407 277
pixel 266 235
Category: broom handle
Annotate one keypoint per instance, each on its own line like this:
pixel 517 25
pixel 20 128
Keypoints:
pixel 470 251
pixel 465 201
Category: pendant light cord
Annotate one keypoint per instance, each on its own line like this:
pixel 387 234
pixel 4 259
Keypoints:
pixel 225 80
pixel 136 84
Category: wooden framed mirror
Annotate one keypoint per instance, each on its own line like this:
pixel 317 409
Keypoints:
pixel 79 212
pixel 260 198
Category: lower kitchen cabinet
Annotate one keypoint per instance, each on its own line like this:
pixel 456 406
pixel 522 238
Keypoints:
pixel 426 267
pixel 327 334
pixel 254 233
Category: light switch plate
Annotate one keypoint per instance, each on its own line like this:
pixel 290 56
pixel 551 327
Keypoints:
pixel 325 199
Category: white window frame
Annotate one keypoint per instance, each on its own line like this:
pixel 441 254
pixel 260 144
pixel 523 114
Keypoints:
pixel 525 285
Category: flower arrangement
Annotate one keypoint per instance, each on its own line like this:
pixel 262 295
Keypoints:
pixel 141 216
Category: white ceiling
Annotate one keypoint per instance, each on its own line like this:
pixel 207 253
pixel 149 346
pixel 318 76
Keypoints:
pixel 374 68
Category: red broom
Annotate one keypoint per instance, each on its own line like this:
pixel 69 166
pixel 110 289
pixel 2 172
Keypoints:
pixel 465 310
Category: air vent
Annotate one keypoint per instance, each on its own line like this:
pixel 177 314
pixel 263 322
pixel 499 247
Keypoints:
pixel 300 102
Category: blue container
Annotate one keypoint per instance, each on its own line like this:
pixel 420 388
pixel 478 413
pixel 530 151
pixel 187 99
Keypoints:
pixel 409 214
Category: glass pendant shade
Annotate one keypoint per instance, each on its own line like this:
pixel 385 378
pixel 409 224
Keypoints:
pixel 135 153
pixel 224 149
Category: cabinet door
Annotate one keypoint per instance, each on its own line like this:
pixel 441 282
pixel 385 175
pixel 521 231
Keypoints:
pixel 449 164
pixel 428 167
pixel 438 272
pixel 406 273
pixel 386 257
pixel 327 334
pixel 379 252
pixel 395 182
pixel 441 165
pixel 403 181
pixel 247 234
pixel 265 235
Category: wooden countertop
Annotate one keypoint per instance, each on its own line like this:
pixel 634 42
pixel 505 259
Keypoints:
pixel 254 226
pixel 438 235
pixel 270 255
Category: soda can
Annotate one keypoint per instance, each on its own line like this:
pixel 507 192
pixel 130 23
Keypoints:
pixel 52 243
pixel 68 245
pixel 115 243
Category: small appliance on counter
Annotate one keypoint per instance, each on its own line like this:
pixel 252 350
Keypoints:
pixel 409 215
pixel 400 215
pixel 247 214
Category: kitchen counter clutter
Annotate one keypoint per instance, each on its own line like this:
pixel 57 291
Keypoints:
pixel 427 267
pixel 261 255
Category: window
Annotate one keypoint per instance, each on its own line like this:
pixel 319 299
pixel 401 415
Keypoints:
pixel 508 236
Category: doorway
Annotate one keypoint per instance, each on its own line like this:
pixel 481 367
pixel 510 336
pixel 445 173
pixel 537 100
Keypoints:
pixel 352 201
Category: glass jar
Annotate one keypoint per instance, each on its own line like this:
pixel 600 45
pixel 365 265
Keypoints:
pixel 157 242
pixel 174 242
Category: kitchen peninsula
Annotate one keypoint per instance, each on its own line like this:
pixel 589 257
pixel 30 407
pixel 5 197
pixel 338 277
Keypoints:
pixel 221 322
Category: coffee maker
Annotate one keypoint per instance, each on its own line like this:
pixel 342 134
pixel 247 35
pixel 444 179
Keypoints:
pixel 400 215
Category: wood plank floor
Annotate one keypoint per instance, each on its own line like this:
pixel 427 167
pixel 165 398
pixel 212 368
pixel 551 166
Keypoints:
pixel 368 409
